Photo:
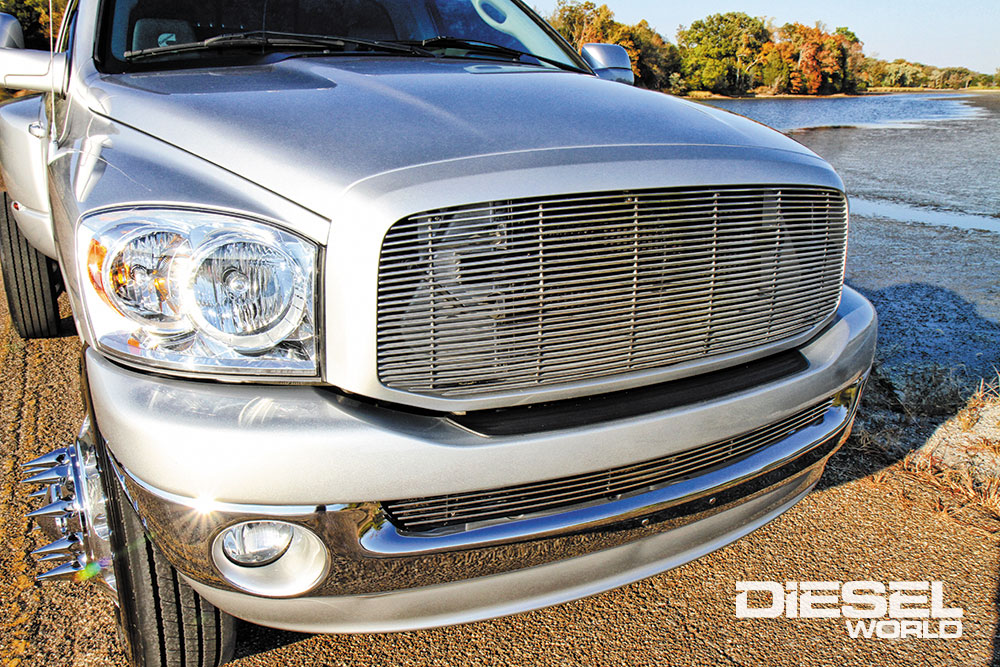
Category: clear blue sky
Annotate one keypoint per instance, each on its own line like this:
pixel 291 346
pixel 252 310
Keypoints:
pixel 962 33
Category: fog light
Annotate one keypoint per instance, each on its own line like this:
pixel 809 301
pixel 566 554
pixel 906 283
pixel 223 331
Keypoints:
pixel 271 558
pixel 257 543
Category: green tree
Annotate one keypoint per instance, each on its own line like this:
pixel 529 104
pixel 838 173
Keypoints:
pixel 854 58
pixel 981 80
pixel 722 52
pixel 957 77
pixel 873 71
pixel 903 74
pixel 779 71
pixel 847 34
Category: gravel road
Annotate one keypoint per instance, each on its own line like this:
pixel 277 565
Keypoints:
pixel 867 521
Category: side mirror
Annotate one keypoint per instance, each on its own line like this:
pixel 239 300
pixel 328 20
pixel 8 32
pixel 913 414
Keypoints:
pixel 609 61
pixel 22 69
pixel 11 35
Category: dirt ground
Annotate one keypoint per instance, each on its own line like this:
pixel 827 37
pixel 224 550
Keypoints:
pixel 871 519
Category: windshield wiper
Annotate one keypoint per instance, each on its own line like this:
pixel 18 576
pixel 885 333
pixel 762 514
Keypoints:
pixel 488 48
pixel 269 38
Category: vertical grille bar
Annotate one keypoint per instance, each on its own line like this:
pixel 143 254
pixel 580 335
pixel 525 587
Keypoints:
pixel 635 281
pixel 541 291
pixel 714 267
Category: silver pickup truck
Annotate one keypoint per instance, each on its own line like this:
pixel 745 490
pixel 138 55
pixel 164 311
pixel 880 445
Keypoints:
pixel 402 313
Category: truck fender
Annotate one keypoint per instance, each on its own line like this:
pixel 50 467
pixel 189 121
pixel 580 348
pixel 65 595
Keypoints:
pixel 22 165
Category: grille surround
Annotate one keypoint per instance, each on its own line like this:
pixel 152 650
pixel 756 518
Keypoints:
pixel 528 294
pixel 467 510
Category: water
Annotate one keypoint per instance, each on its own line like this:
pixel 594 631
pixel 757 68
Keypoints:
pixel 908 110
pixel 891 210
pixel 920 158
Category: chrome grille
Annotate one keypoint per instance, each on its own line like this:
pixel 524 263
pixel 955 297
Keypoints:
pixel 517 502
pixel 529 293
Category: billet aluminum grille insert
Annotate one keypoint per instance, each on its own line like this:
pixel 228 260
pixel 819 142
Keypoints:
pixel 516 295
pixel 519 502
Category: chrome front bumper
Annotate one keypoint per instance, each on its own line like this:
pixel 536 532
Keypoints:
pixel 195 458
pixel 651 551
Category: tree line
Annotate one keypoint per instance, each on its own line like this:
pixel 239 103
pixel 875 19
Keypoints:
pixel 736 54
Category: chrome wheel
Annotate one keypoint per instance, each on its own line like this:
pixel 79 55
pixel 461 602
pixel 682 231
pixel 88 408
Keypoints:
pixel 97 535
pixel 74 515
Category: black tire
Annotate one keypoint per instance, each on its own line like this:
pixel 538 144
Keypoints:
pixel 163 621
pixel 31 280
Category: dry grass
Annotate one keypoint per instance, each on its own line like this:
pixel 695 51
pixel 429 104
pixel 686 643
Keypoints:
pixel 965 490
pixel 879 478
pixel 991 445
pixel 986 395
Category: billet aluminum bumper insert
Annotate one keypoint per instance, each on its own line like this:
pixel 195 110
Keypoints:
pixel 520 590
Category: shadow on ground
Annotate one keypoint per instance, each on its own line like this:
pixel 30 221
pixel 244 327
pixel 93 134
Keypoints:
pixel 934 350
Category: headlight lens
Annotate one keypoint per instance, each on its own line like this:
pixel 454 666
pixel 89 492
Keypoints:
pixel 200 292
pixel 246 293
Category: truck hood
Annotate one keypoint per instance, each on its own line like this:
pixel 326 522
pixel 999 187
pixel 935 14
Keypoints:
pixel 310 128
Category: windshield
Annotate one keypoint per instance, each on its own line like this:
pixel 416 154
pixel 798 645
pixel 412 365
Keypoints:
pixel 156 34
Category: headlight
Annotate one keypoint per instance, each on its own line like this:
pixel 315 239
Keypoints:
pixel 200 292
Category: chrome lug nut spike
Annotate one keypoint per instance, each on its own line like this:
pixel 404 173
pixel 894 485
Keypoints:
pixel 40 493
pixel 58 474
pixel 67 545
pixel 65 572
pixel 50 460
pixel 33 472
pixel 58 509
pixel 50 558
